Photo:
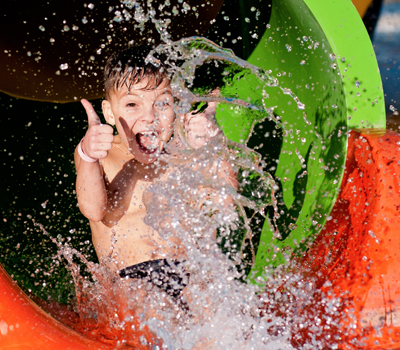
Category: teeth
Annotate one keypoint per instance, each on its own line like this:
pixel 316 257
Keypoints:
pixel 148 133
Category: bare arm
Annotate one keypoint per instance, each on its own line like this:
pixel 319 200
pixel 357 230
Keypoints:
pixel 199 129
pixel 90 185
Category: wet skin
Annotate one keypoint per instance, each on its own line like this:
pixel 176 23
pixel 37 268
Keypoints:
pixel 110 191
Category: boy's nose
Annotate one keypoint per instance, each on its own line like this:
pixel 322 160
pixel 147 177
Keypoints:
pixel 149 115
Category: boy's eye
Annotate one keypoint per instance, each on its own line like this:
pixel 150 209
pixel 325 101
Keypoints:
pixel 131 104
pixel 163 104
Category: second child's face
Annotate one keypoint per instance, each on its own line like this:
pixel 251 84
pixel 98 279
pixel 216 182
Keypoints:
pixel 144 118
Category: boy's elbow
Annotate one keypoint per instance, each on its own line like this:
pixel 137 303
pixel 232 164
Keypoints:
pixel 93 215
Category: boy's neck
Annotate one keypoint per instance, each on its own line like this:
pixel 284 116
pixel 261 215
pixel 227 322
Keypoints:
pixel 121 146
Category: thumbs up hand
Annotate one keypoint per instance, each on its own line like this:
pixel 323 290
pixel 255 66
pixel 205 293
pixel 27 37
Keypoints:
pixel 99 137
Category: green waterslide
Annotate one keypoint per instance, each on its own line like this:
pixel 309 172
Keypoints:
pixel 340 85
pixel 322 52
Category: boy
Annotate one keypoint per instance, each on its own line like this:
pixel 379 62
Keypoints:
pixel 113 172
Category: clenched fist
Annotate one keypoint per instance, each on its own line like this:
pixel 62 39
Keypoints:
pixel 99 137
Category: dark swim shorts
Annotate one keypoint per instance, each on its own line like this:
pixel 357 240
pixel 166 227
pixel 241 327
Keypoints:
pixel 166 275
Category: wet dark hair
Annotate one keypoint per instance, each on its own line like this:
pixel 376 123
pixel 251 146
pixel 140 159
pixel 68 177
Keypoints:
pixel 129 67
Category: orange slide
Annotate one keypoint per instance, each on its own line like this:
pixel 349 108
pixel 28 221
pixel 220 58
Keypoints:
pixel 24 325
pixel 356 256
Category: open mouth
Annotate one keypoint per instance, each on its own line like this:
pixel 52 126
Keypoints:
pixel 148 142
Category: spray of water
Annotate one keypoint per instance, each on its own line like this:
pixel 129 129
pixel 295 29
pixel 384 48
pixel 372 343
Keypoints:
pixel 209 212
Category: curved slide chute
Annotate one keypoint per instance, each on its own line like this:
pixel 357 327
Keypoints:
pixel 319 50
pixel 362 269
pixel 24 325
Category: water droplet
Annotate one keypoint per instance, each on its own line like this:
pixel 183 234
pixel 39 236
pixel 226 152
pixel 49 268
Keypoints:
pixel 127 15
pixel 302 62
pixel 247 20
pixel 66 28
pixel 75 27
pixel 64 66
pixel 332 56
pixel 52 40
pixel 357 83
pixel 118 17
pixel 84 20
pixel 394 110
pixel 301 105
pixel 288 47
pixel 91 6
pixel 42 28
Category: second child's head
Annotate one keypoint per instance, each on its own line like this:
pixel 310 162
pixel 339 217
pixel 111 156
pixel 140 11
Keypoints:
pixel 138 102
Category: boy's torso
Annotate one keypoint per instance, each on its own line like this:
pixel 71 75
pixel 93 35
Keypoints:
pixel 122 234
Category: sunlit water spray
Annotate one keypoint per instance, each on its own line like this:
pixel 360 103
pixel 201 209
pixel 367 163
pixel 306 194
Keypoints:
pixel 211 218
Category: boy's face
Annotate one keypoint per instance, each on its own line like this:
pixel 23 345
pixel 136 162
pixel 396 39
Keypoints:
pixel 144 118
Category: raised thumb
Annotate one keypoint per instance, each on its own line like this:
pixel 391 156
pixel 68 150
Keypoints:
pixel 92 116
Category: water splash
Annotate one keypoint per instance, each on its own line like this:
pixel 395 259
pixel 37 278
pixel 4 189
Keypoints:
pixel 224 312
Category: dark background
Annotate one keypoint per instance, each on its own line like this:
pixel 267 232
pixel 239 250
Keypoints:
pixel 386 41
